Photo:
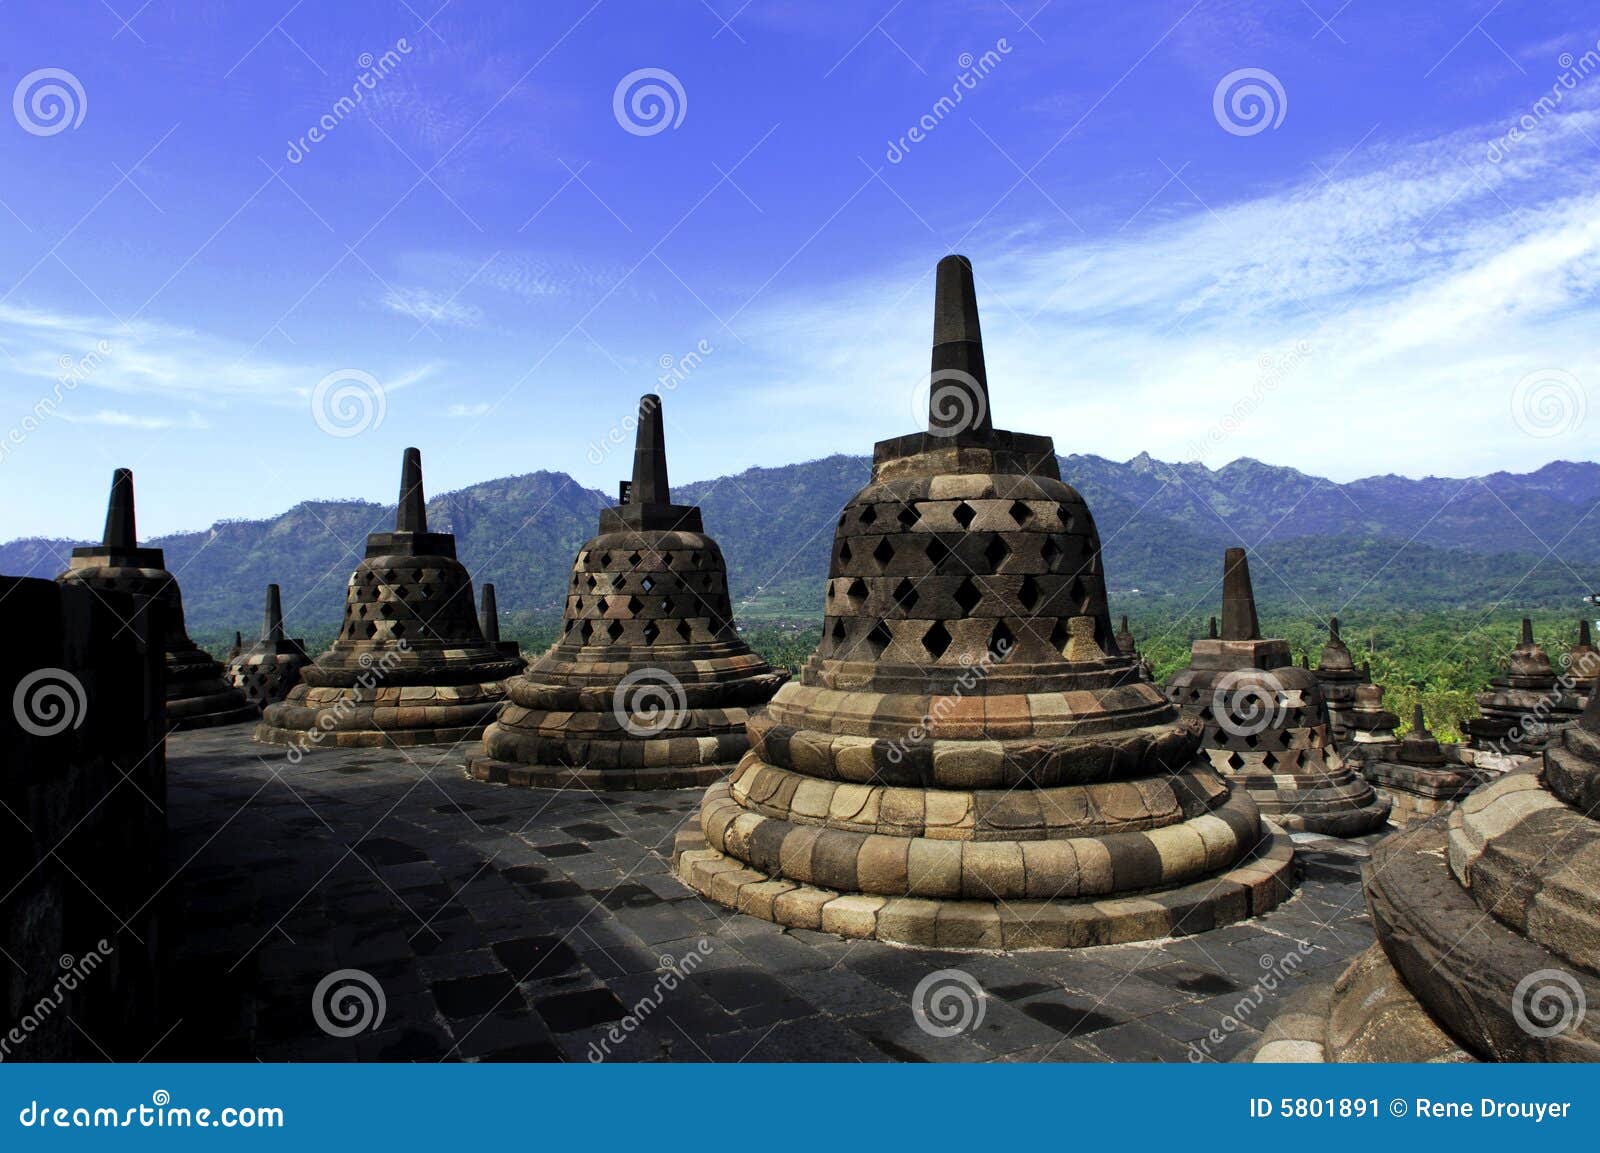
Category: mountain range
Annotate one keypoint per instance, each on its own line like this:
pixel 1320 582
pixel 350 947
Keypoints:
pixel 1318 547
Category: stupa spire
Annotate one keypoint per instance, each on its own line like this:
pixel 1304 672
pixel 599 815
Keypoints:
pixel 412 513
pixel 272 623
pixel 1527 631
pixel 489 616
pixel 1417 725
pixel 1239 621
pixel 650 456
pixel 958 391
pixel 121 533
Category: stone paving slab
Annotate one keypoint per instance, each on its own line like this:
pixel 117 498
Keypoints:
pixel 535 925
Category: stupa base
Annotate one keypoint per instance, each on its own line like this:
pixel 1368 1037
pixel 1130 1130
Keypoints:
pixel 1369 818
pixel 1255 885
pixel 210 712
pixel 402 716
pixel 597 780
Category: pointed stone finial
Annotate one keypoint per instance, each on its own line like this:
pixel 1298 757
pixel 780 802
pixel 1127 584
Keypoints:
pixel 1416 719
pixel 1125 624
pixel 1333 631
pixel 272 623
pixel 1239 621
pixel 958 388
pixel 1305 661
pixel 412 515
pixel 650 456
pixel 489 616
pixel 1527 631
pixel 1213 633
pixel 121 533
pixel 1583 632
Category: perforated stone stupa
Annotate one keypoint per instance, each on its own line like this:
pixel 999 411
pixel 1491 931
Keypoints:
pixel 268 669
pixel 197 696
pixel 1265 726
pixel 1524 708
pixel 410 665
pixel 966 760
pixel 1486 918
pixel 650 685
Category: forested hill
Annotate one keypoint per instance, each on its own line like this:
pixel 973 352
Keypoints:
pixel 1386 542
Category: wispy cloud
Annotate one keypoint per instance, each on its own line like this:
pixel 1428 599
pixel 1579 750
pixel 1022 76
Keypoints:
pixel 460 410
pixel 428 307
pixel 116 419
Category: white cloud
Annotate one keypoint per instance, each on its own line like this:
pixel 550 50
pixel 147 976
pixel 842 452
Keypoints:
pixel 428 307
pixel 116 419
pixel 468 409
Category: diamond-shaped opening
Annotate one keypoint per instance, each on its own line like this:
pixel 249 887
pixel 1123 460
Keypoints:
pixel 1065 512
pixel 1235 761
pixel 869 515
pixel 651 632
pixel 965 514
pixel 386 609
pixel 936 552
pixel 685 631
pixel 1269 760
pixel 936 640
pixel 857 590
pixel 1001 639
pixel 838 632
pixel 577 604
pixel 1020 512
pixel 605 560
pixel 586 631
pixel 884 553
pixel 844 551
pixel 592 582
pixel 1059 634
pixel 1028 594
pixel 601 606
pixel 634 606
pixel 619 582
pixel 567 628
pixel 574 579
pixel 1251 740
pixel 967 596
pixel 1076 591
pixel 878 639
pixel 1050 551
pixel 667 559
pixel 908 515
pixel 633 559
pixel 697 558
pixel 397 629
pixel 996 551
pixel 648 583
pixel 614 629
pixel 905 595
pixel 668 604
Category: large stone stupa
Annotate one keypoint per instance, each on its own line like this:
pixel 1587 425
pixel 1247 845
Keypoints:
pixel 410 665
pixel 268 669
pixel 650 685
pixel 197 696
pixel 1266 727
pixel 1486 919
pixel 967 761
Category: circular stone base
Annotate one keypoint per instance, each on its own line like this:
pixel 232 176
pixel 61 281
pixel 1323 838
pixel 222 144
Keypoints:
pixel 481 768
pixel 1254 886
pixel 1345 823
pixel 314 739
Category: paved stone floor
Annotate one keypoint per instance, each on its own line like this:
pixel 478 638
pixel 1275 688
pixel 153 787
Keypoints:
pixel 524 925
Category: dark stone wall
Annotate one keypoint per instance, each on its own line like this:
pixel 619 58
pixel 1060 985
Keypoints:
pixel 83 901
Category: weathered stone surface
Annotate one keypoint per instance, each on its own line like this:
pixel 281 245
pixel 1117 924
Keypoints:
pixel 650 685
pixel 1530 704
pixel 268 669
pixel 410 665
pixel 970 732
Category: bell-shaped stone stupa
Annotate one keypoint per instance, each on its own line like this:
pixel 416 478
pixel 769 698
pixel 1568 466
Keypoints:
pixel 650 685
pixel 966 761
pixel 1340 678
pixel 410 665
pixel 1265 724
pixel 268 669
pixel 1524 708
pixel 1486 918
pixel 197 695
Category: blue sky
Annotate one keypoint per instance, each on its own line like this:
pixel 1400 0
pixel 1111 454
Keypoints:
pixel 1368 283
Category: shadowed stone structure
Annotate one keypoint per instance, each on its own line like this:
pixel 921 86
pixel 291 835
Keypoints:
pixel 489 622
pixel 197 695
pixel 966 761
pixel 1337 674
pixel 1486 920
pixel 1523 709
pixel 1265 727
pixel 1583 662
pixel 650 685
pixel 268 669
pixel 1419 774
pixel 1369 722
pixel 410 665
